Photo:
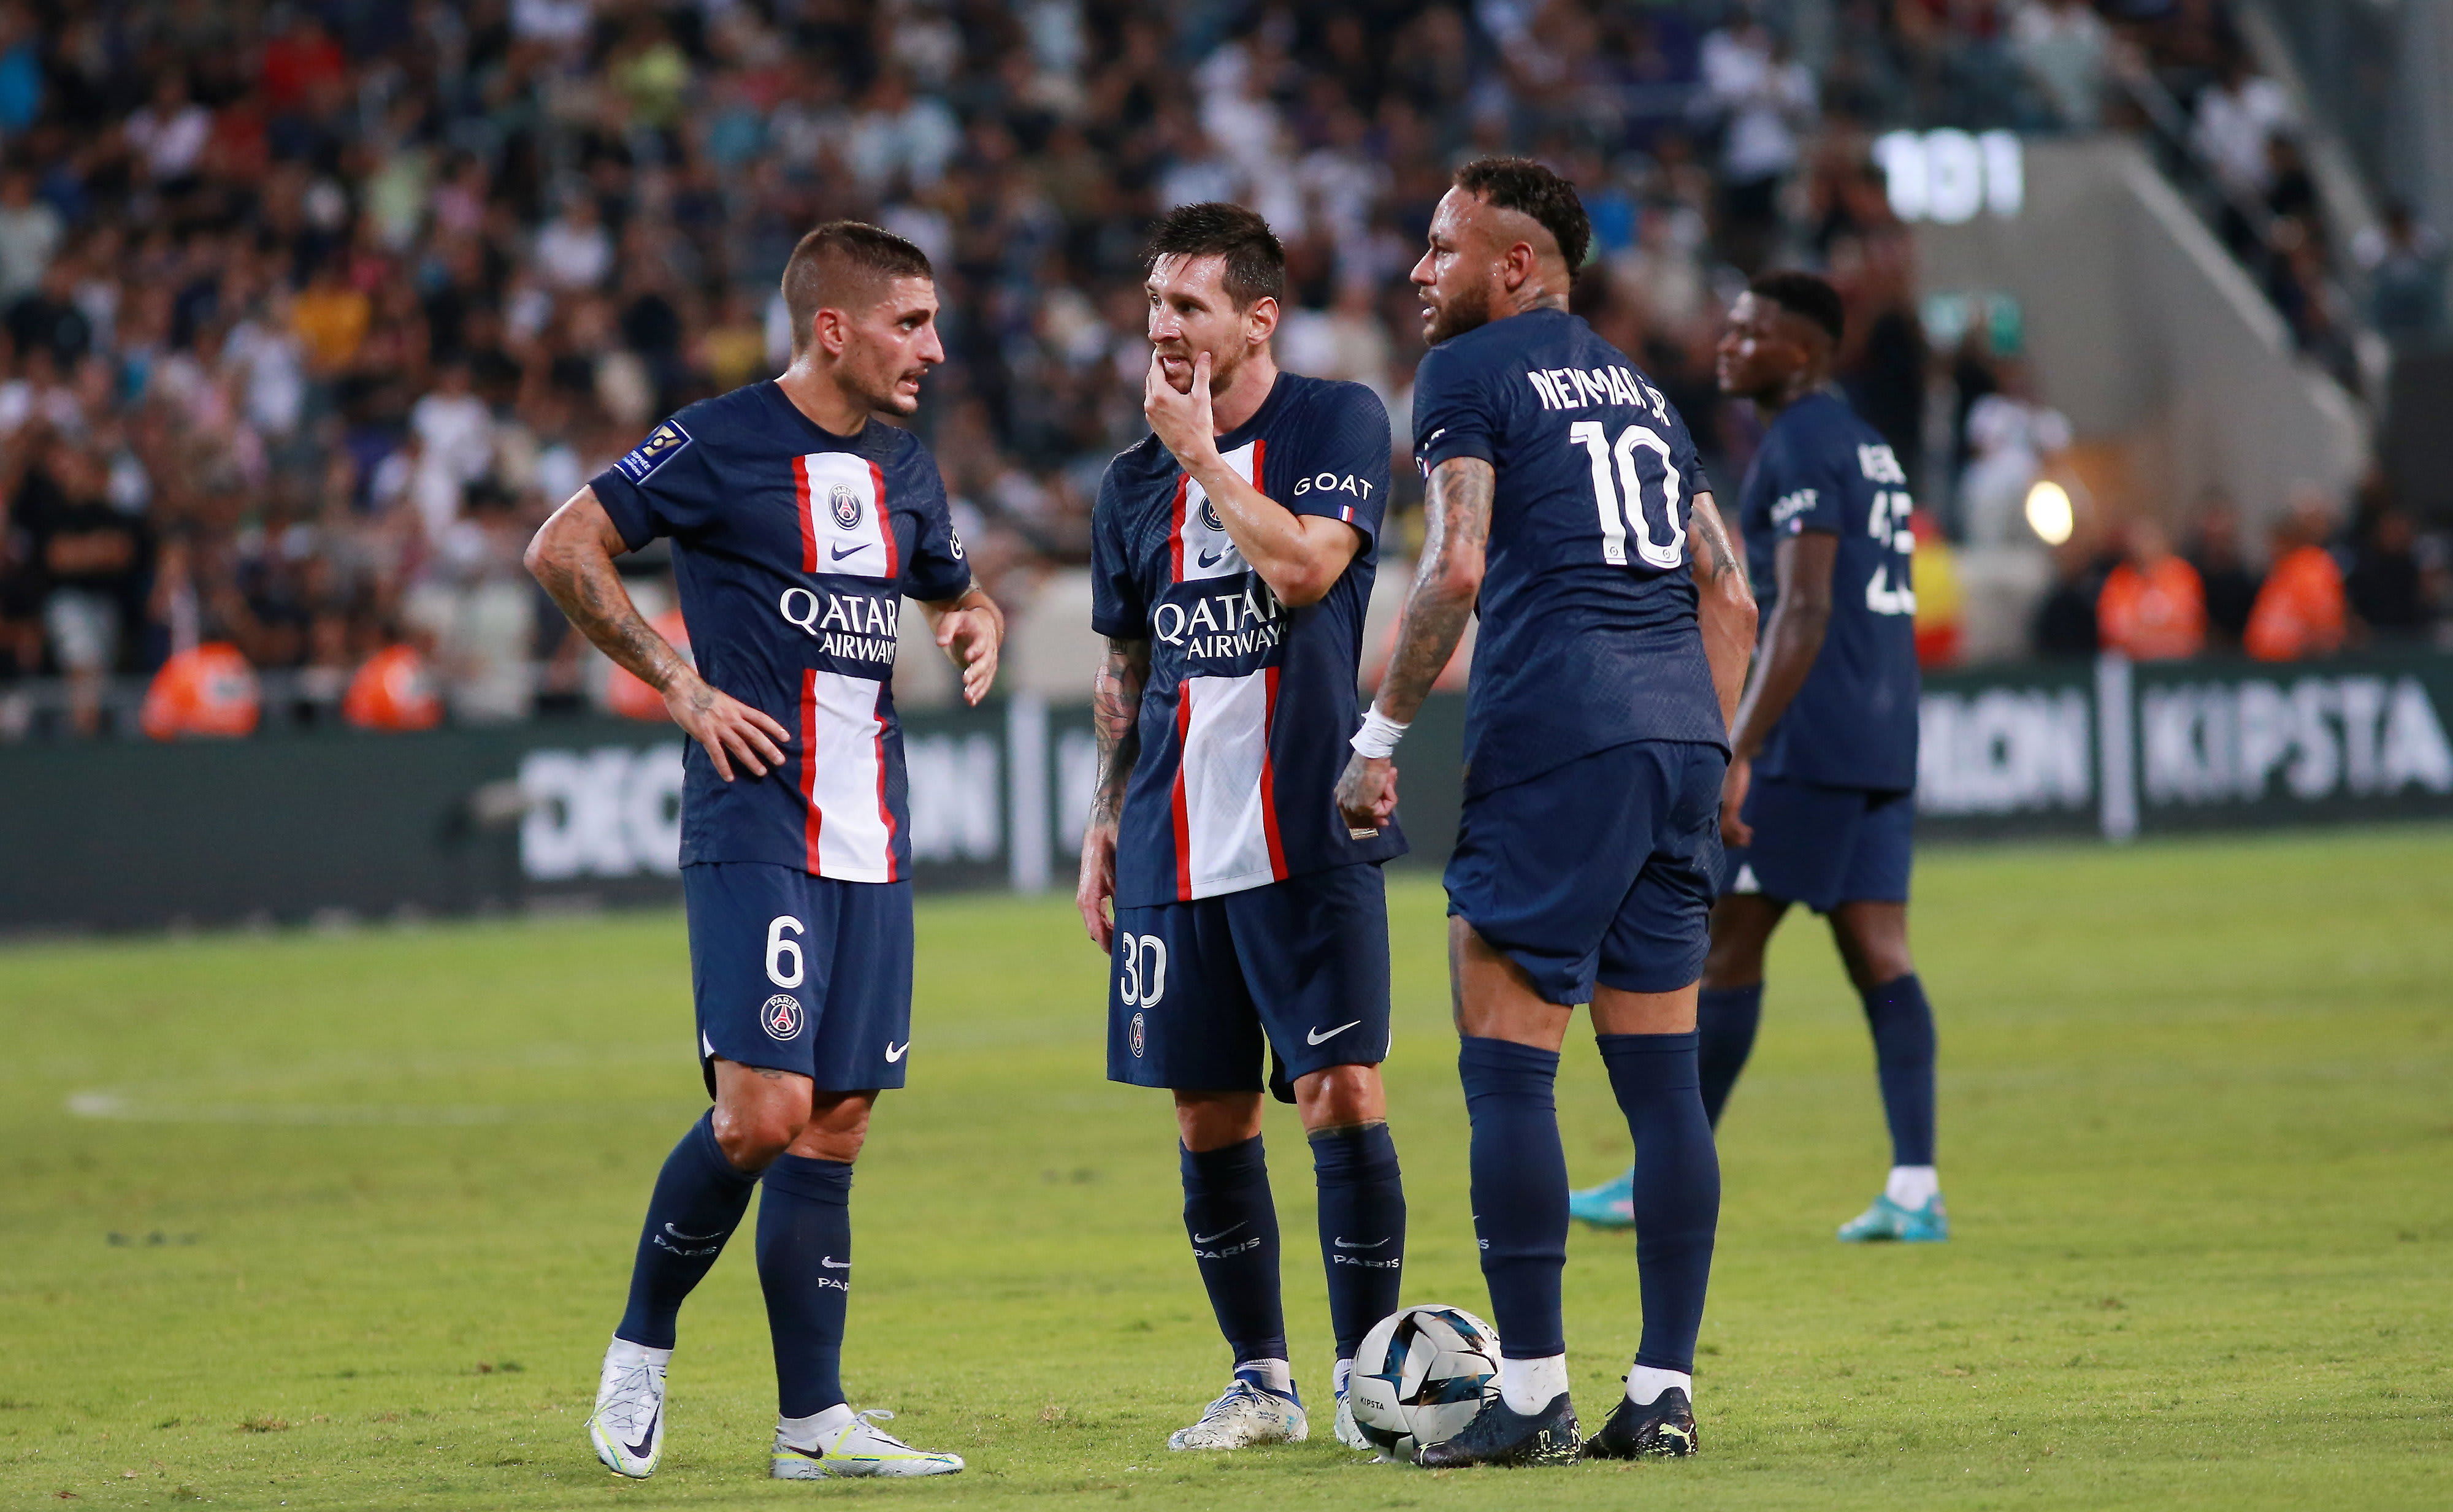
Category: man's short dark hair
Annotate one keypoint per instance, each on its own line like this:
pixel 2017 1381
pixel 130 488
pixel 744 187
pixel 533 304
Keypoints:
pixel 837 262
pixel 1256 265
pixel 1807 296
pixel 1522 185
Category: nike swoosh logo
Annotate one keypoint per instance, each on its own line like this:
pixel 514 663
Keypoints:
pixel 1348 1243
pixel 692 1239
pixel 841 552
pixel 833 1264
pixel 894 1052
pixel 1318 1037
pixel 1204 1239
pixel 639 1450
pixel 1211 559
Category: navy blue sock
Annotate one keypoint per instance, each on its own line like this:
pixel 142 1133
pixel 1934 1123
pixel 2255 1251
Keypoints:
pixel 1361 1229
pixel 1903 1026
pixel 1677 1187
pixel 805 1267
pixel 698 1203
pixel 1520 1190
pixel 1725 1019
pixel 1234 1229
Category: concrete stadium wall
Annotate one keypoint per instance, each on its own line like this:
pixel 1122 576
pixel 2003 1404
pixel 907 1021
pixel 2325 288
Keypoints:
pixel 2144 332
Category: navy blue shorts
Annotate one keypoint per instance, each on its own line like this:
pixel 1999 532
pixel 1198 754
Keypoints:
pixel 1200 992
pixel 1599 871
pixel 1824 847
pixel 793 972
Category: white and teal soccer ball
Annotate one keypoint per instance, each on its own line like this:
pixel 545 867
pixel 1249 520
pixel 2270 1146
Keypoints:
pixel 1421 1376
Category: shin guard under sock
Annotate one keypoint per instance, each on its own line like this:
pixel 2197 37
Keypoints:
pixel 1233 1225
pixel 1904 1045
pixel 805 1267
pixel 1677 1187
pixel 1520 1190
pixel 1361 1229
pixel 697 1204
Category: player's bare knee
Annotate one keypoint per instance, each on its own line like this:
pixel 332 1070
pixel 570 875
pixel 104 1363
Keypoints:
pixel 753 1137
pixel 1341 1097
pixel 1212 1121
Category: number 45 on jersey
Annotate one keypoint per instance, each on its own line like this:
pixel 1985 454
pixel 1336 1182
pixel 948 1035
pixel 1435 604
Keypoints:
pixel 1886 521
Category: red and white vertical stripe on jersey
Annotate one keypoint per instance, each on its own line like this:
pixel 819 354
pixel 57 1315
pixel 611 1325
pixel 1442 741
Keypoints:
pixel 851 828
pixel 1226 824
pixel 829 488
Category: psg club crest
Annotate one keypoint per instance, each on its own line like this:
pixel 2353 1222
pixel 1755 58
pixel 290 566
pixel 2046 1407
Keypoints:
pixel 781 1014
pixel 1209 516
pixel 847 506
pixel 1134 1039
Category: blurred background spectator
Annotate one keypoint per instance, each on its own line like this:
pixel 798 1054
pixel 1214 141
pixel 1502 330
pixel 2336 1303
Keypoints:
pixel 312 311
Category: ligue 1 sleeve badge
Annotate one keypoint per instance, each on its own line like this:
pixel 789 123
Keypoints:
pixel 847 506
pixel 781 1014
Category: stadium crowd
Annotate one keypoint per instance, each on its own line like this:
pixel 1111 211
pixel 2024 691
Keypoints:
pixel 311 310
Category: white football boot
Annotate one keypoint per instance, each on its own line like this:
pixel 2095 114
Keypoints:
pixel 840 1441
pixel 1246 1415
pixel 628 1426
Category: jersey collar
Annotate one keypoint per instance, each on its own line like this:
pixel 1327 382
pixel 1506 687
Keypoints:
pixel 859 445
pixel 1261 417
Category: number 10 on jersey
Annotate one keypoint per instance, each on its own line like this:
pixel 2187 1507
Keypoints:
pixel 1621 516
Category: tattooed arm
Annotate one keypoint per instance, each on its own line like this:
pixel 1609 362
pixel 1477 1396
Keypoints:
pixel 1115 713
pixel 1724 605
pixel 1448 580
pixel 572 555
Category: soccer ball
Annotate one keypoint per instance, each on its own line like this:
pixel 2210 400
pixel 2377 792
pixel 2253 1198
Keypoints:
pixel 1420 1375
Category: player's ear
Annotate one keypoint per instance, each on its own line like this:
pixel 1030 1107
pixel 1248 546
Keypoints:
pixel 1261 321
pixel 827 330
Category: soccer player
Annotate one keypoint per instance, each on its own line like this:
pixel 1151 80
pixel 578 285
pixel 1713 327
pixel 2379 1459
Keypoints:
pixel 798 528
pixel 1232 551
pixel 1819 801
pixel 1566 501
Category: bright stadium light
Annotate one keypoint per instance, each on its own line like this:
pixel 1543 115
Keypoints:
pixel 2049 514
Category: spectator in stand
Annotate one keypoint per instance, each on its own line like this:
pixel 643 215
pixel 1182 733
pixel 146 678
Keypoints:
pixel 31 232
pixel 2228 583
pixel 2063 44
pixel 2301 610
pixel 2238 118
pixel 2387 586
pixel 1765 100
pixel 2065 619
pixel 2405 269
pixel 2152 608
pixel 92 557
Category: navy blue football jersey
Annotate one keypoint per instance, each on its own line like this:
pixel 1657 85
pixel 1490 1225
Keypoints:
pixel 1854 723
pixel 793 550
pixel 1588 637
pixel 1249 704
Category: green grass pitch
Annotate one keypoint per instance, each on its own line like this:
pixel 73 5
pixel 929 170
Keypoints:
pixel 344 1221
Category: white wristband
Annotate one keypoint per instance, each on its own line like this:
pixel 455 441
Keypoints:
pixel 1377 740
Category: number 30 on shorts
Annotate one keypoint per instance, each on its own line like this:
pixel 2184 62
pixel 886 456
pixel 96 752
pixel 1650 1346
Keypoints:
pixel 1141 969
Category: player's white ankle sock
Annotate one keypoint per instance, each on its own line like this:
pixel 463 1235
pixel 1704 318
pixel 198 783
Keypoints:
pixel 803 1432
pixel 1528 1386
pixel 1338 1377
pixel 1275 1374
pixel 625 1353
pixel 1912 1186
pixel 1644 1384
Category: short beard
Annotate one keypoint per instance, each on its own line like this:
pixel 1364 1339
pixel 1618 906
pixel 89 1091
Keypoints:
pixel 886 399
pixel 1455 317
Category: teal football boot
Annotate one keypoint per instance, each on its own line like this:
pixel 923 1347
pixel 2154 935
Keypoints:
pixel 1887 1219
pixel 1609 1206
